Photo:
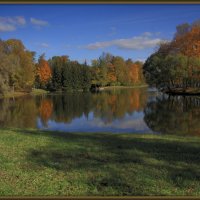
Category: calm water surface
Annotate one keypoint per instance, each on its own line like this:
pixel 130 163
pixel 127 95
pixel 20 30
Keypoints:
pixel 140 110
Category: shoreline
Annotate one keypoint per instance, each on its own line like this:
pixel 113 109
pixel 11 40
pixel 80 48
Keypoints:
pixel 41 91
pixel 178 91
pixel 21 94
pixel 121 87
pixel 181 91
pixel 13 95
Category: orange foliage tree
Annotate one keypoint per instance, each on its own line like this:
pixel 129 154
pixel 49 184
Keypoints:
pixel 111 75
pixel 188 43
pixel 43 72
pixel 176 64
pixel 135 71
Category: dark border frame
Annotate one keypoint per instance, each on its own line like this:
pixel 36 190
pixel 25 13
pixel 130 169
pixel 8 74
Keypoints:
pixel 96 2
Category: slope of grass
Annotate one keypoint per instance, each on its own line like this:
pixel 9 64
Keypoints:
pixel 38 91
pixel 97 164
pixel 19 94
pixel 13 94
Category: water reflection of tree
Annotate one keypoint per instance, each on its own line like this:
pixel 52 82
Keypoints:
pixel 45 110
pixel 71 105
pixel 18 112
pixel 174 115
pixel 107 105
pixel 116 104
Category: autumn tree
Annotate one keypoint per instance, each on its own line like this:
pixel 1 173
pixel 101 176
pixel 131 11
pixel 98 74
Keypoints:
pixel 69 75
pixel 26 71
pixel 135 72
pixel 16 67
pixel 111 75
pixel 111 70
pixel 188 43
pixel 105 61
pixel 43 72
pixel 121 70
pixel 176 63
pixel 102 70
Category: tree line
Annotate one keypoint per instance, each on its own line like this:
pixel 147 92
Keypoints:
pixel 20 71
pixel 176 63
pixel 109 70
pixel 59 73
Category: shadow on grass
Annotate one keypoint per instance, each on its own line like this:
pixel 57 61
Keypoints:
pixel 112 154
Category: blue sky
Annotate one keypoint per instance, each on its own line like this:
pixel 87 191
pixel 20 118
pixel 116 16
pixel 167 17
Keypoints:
pixel 85 31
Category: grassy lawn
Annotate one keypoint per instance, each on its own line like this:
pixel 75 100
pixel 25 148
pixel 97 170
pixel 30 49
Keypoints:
pixel 122 87
pixel 38 91
pixel 79 164
pixel 12 94
pixel 19 94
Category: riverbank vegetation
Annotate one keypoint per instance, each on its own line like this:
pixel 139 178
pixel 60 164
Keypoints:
pixel 175 66
pixel 13 94
pixel 111 70
pixel 16 67
pixel 20 72
pixel 41 163
pixel 60 73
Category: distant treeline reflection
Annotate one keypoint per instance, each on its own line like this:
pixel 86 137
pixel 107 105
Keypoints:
pixel 108 105
pixel 162 113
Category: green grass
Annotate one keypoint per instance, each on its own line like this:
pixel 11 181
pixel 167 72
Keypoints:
pixel 12 94
pixel 122 87
pixel 81 164
pixel 19 94
pixel 38 91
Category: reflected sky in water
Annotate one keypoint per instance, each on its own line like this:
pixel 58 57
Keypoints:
pixel 139 110
pixel 129 124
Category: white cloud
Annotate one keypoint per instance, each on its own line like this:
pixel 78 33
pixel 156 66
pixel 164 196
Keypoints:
pixel 148 34
pixel 20 20
pixel 11 23
pixel 38 22
pixel 6 27
pixel 137 42
pixel 44 45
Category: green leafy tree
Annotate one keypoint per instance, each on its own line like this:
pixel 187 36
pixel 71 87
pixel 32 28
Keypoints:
pixel 121 70
pixel 17 69
pixel 176 63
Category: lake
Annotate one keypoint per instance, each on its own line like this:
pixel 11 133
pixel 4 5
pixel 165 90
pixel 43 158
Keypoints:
pixel 138 110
